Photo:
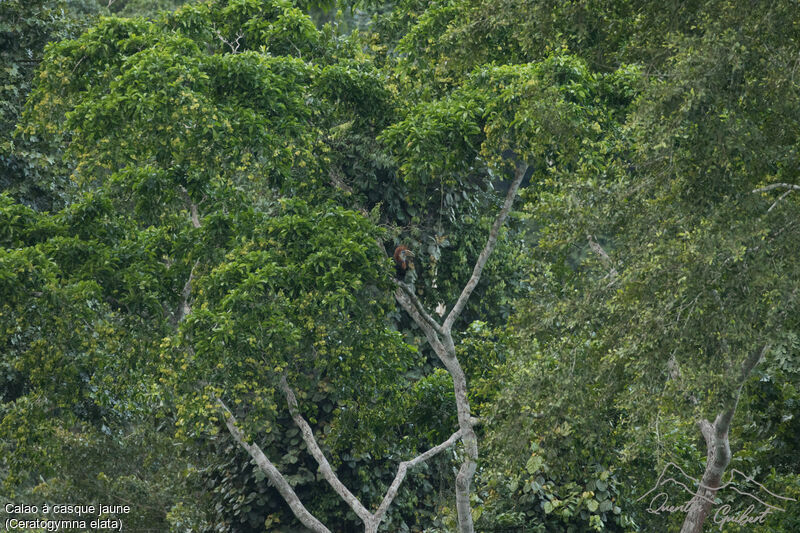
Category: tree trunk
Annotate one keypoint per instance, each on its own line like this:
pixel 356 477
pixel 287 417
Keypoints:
pixel 468 437
pixel 719 451
pixel 440 339
pixel 718 458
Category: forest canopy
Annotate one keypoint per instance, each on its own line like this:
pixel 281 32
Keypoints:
pixel 471 265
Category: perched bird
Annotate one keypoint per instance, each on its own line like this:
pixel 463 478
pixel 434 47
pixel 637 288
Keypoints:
pixel 402 261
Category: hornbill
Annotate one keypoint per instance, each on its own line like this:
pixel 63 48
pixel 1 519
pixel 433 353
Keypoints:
pixel 402 261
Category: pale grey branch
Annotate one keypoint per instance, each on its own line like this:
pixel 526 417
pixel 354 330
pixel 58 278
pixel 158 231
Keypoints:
pixel 427 328
pixel 440 339
pixel 185 309
pixel 781 197
pixel 604 258
pixel 192 207
pixel 272 473
pixel 718 449
pixel 773 186
pixel 324 465
pixel 491 242
pixel 418 305
pixel 234 46
pixel 790 187
pixel 403 468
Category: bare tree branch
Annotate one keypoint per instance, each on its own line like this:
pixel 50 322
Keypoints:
pixel 324 466
pixel 724 419
pixel 444 347
pixel 418 305
pixel 185 309
pixel 272 473
pixel 82 57
pixel 440 339
pixel 718 449
pixel 234 46
pixel 371 520
pixel 491 242
pixel 433 338
pixel 781 197
pixel 750 363
pixel 403 468
pixel 789 186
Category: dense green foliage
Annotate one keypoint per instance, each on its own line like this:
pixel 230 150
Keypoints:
pixel 200 201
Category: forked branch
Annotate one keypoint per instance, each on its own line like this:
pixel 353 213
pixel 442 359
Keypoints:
pixel 418 305
pixel 433 335
pixel 273 474
pixel 405 466
pixel 440 339
pixel 718 451
pixel 790 187
pixel 324 465
pixel 371 520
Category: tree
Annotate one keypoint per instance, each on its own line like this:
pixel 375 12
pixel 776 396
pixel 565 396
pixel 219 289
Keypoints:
pixel 25 29
pixel 230 132
pixel 30 169
pixel 236 175
pixel 712 129
pixel 692 277
pixel 229 125
pixel 538 114
pixel 72 402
